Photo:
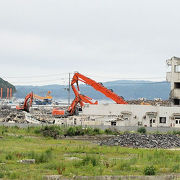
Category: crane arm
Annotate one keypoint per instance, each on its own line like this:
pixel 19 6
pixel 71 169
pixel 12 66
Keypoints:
pixel 81 99
pixel 48 96
pixel 97 86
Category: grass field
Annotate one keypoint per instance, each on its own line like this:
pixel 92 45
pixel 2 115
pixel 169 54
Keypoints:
pixel 75 157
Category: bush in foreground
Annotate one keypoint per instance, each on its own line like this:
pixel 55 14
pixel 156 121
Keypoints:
pixel 142 130
pixel 149 171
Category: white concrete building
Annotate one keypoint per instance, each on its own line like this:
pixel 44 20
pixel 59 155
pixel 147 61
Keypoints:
pixel 126 115
pixel 174 78
pixel 131 115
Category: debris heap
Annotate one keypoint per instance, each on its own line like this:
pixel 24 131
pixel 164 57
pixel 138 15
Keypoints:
pixel 143 140
pixel 11 115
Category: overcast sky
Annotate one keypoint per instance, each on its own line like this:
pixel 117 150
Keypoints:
pixel 103 39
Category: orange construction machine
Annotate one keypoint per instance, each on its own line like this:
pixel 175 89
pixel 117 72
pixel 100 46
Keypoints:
pixel 81 99
pixel 27 103
pixel 29 100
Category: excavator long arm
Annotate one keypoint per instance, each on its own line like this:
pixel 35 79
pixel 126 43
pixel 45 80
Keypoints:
pixel 81 99
pixel 97 86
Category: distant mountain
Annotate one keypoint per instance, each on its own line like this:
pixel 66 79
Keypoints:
pixel 5 84
pixel 126 88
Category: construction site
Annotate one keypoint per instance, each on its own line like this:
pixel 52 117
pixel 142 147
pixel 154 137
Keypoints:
pixel 94 125
pixel 84 111
pixel 89 90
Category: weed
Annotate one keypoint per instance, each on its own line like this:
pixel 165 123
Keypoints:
pixel 50 131
pixel 125 166
pixel 176 132
pixel 42 157
pixel 1 175
pixel 142 130
pixel 71 131
pixel 108 131
pixel 90 160
pixel 149 170
pixel 97 131
pixel 176 168
pixel 60 170
pixel 13 175
pixel 9 156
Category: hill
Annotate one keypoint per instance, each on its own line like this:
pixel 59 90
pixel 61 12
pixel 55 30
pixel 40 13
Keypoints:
pixel 128 89
pixel 5 84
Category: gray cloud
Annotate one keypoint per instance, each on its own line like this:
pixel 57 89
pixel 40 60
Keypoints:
pixel 105 37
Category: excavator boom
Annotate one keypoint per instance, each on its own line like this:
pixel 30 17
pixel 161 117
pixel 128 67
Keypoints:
pixel 98 87
pixel 81 99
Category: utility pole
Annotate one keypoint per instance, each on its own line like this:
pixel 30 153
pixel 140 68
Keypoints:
pixel 69 94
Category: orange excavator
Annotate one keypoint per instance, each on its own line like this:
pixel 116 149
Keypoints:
pixel 29 100
pixel 81 99
pixel 27 103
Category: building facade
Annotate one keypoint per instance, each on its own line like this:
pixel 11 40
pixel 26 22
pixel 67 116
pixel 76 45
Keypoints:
pixel 174 78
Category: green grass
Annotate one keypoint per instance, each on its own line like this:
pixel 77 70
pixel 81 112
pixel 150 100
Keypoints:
pixel 73 157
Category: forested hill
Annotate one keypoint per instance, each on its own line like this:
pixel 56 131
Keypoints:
pixel 128 89
pixel 5 84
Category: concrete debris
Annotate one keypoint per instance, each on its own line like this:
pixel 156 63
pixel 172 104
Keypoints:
pixel 11 115
pixel 27 161
pixel 52 177
pixel 38 116
pixel 72 158
pixel 143 141
pixel 157 102
pixel 164 177
pixel 43 115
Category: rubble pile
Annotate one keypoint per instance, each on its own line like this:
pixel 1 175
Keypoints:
pixel 143 140
pixel 43 118
pixel 11 115
pixel 42 114
pixel 150 102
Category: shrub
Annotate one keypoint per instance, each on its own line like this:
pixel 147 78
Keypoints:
pixel 50 131
pixel 1 175
pixel 176 132
pixel 142 130
pixel 96 130
pixel 71 131
pixel 79 131
pixel 149 170
pixel 175 168
pixel 9 156
pixel 37 131
pixel 108 131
